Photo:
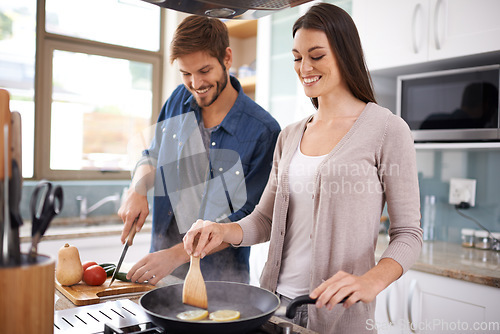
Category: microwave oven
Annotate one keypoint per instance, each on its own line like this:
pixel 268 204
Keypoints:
pixel 451 105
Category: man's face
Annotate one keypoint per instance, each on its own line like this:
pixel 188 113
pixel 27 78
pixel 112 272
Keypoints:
pixel 203 76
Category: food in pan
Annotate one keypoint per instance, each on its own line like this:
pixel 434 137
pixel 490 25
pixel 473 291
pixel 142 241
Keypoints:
pixel 224 315
pixel 219 316
pixel 193 315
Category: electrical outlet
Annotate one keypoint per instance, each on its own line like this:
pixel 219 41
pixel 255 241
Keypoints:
pixel 462 190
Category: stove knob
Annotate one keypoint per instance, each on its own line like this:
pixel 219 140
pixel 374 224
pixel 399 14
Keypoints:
pixel 286 328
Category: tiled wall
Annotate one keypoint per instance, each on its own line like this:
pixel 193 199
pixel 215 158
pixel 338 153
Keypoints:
pixel 436 167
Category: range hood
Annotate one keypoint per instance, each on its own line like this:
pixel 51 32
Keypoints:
pixel 228 9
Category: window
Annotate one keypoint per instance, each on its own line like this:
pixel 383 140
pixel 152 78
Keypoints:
pixel 98 82
pixel 17 67
pixel 130 23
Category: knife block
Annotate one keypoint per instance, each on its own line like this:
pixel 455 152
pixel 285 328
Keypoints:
pixel 27 297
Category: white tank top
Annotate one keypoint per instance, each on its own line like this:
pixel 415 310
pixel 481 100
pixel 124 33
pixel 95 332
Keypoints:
pixel 294 276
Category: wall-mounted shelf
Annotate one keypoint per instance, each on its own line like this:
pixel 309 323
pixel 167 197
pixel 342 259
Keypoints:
pixel 457 146
pixel 248 84
pixel 243 40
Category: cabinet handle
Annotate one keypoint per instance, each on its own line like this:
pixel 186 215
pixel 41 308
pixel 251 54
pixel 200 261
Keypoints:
pixel 437 41
pixel 387 306
pixel 416 11
pixel 411 292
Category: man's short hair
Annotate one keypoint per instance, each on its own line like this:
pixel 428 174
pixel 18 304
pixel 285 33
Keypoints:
pixel 199 33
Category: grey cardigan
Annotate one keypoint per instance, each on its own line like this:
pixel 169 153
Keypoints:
pixel 374 163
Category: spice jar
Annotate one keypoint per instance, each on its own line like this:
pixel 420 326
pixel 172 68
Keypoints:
pixel 467 237
pixel 495 244
pixel 482 240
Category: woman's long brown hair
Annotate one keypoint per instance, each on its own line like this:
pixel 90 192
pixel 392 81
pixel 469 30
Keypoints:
pixel 344 40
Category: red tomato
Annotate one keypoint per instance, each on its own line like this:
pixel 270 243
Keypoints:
pixel 87 264
pixel 94 275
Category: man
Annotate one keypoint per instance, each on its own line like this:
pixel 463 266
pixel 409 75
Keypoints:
pixel 209 113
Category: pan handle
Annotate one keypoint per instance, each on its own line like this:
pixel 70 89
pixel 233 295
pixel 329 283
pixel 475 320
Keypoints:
pixel 291 309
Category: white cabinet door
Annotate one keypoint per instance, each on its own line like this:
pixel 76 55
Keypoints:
pixel 437 304
pixel 395 33
pixel 392 32
pixel 463 27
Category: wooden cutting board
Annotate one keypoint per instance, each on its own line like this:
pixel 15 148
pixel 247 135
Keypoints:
pixel 83 294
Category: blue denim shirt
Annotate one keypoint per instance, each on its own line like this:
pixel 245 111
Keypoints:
pixel 247 130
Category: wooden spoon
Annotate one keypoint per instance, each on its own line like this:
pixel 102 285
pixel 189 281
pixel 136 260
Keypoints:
pixel 194 291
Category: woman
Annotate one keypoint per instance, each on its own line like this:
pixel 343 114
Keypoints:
pixel 332 174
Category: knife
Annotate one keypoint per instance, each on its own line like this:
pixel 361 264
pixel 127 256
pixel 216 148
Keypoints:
pixel 15 185
pixel 130 238
pixel 5 156
pixel 7 234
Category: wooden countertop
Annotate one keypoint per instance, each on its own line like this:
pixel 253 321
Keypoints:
pixel 454 261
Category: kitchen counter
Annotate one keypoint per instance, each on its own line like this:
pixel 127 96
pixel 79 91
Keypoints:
pixel 74 227
pixel 454 261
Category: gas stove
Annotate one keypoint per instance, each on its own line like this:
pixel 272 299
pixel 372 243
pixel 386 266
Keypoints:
pixel 125 316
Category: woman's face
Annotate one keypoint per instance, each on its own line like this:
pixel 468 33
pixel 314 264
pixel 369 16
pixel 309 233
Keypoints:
pixel 315 63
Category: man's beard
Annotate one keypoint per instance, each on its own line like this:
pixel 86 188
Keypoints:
pixel 220 86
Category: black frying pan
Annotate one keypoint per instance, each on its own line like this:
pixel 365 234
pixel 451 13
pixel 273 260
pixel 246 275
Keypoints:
pixel 256 306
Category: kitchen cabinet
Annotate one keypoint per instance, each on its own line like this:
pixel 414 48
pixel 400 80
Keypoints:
pixel 396 33
pixel 243 42
pixel 463 27
pixel 425 303
pixel 386 320
pixel 392 32
pixel 389 312
pixel 437 304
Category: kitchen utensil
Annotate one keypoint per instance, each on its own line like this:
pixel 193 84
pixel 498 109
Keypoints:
pixel 15 187
pixel 83 294
pixel 194 291
pixel 128 243
pixel 5 161
pixel 27 296
pixel 15 217
pixel 6 256
pixel 43 209
pixel 256 306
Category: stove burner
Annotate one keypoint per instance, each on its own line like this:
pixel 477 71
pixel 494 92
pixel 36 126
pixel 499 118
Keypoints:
pixel 147 328
pixel 150 328
pixel 92 318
